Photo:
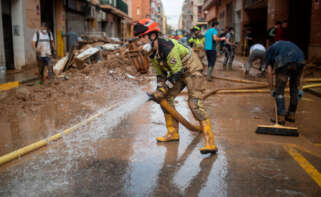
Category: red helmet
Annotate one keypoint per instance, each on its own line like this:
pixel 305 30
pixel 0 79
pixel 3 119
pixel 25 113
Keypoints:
pixel 145 26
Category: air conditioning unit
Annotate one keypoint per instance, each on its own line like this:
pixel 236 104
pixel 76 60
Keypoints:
pixel 91 13
pixel 101 16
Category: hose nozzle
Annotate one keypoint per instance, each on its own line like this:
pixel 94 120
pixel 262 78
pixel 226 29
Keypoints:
pixel 151 97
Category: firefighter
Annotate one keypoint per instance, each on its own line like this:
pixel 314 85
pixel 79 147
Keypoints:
pixel 197 43
pixel 177 67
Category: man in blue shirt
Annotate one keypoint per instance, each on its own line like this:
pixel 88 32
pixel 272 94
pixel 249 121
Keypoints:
pixel 211 37
pixel 286 61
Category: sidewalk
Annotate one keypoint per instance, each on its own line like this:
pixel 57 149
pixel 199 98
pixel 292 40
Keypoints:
pixel 12 79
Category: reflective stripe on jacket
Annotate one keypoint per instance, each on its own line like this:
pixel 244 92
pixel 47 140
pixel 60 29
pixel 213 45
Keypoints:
pixel 168 61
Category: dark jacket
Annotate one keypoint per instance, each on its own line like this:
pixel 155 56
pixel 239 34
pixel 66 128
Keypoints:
pixel 283 52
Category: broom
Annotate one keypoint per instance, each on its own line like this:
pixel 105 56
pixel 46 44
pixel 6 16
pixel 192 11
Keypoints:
pixel 277 129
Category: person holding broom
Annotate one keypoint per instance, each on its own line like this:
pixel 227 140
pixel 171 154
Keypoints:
pixel 285 61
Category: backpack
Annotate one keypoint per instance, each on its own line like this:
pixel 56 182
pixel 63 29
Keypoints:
pixel 50 38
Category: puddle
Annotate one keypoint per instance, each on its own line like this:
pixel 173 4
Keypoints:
pixel 50 172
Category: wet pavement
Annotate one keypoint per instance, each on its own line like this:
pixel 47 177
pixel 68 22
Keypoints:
pixel 25 76
pixel 117 154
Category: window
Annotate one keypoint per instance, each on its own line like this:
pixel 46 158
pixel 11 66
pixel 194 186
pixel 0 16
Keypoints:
pixel 138 11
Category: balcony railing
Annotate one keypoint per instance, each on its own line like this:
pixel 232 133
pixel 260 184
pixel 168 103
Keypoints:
pixel 119 4
pixel 201 19
pixel 208 3
pixel 109 2
pixel 200 2
pixel 254 3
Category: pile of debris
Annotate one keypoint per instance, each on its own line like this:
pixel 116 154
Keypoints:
pixel 92 67
pixel 97 49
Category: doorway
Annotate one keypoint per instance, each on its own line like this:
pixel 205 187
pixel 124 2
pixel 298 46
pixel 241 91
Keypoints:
pixel 300 23
pixel 47 13
pixel 258 24
pixel 229 15
pixel 7 33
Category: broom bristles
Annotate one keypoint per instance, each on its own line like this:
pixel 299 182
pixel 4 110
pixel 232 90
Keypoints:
pixel 277 130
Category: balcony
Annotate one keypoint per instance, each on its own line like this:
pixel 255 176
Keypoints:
pixel 122 6
pixel 254 4
pixel 200 2
pixel 187 13
pixel 119 4
pixel 109 2
pixel 209 3
pixel 201 19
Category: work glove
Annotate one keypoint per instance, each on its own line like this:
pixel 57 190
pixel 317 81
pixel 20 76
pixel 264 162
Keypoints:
pixel 174 78
pixel 159 94
pixel 300 94
pixel 273 93
pixel 169 84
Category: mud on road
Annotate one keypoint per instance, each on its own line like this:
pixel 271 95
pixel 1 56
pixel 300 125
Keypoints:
pixel 32 112
pixel 117 154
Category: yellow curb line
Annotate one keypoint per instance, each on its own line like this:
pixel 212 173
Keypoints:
pixel 301 148
pixel 9 85
pixel 32 147
pixel 308 168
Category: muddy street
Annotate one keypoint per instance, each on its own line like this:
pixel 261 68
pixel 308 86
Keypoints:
pixel 116 154
pixel 168 98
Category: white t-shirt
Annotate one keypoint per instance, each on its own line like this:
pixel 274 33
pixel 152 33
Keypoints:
pixel 257 47
pixel 43 43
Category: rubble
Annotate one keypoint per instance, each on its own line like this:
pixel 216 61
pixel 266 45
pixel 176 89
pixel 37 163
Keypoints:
pixel 97 72
pixel 60 65
pixel 23 94
pixel 87 53
pixel 94 49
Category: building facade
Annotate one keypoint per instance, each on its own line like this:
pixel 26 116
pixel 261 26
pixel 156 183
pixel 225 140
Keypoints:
pixel 193 15
pixel 157 14
pixel 199 15
pixel 259 15
pixel 187 15
pixel 140 9
pixel 152 9
pixel 20 19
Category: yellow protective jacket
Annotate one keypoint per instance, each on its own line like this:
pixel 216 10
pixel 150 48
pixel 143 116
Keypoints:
pixel 168 62
pixel 197 42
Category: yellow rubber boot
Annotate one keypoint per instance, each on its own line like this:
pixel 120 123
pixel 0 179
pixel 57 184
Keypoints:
pixel 208 137
pixel 172 130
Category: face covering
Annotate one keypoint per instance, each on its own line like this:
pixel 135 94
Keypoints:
pixel 147 47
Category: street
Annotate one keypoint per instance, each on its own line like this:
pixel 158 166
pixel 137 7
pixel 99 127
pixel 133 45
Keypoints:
pixel 117 154
pixel 168 98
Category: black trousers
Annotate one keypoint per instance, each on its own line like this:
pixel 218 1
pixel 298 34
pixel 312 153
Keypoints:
pixel 291 72
pixel 211 57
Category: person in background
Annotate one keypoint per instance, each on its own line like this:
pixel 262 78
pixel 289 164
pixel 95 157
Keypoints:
pixel 285 61
pixel 271 34
pixel 249 41
pixel 257 52
pixel 229 49
pixel 44 44
pixel 284 33
pixel 211 39
pixel 222 42
pixel 278 32
pixel 72 40
pixel 197 43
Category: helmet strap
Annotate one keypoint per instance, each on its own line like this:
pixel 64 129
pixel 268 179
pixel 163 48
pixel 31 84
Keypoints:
pixel 150 36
